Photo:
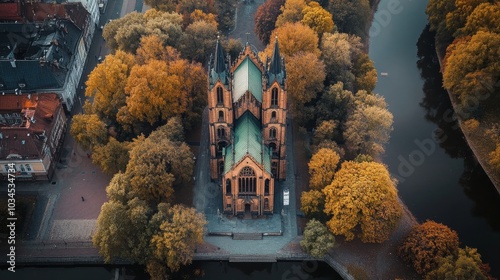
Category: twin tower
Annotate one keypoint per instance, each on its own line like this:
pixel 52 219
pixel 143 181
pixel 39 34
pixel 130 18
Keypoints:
pixel 247 107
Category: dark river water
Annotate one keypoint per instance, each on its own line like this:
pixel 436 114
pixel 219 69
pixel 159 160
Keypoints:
pixel 438 177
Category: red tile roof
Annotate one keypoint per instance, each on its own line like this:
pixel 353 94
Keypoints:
pixel 27 139
pixel 10 11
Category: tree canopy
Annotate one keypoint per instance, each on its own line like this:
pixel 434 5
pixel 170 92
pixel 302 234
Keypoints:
pixel 362 200
pixel 312 203
pixel 322 167
pixel 467 264
pixel 294 38
pixel 88 130
pixel 426 244
pixel 317 18
pixel 265 19
pixel 317 239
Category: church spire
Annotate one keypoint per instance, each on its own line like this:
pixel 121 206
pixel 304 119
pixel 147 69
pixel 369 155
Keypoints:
pixel 218 70
pixel 275 66
pixel 219 65
pixel 276 69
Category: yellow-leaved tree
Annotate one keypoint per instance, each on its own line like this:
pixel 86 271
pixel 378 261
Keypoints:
pixel 322 167
pixel 363 202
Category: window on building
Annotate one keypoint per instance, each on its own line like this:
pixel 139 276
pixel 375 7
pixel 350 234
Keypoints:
pixel 272 133
pixel 22 168
pixel 220 96
pixel 221 132
pixel 221 116
pixel 274 169
pixel 266 203
pixel 28 167
pixel 221 168
pixel 273 116
pixel 266 187
pixel 274 97
pixel 228 186
pixel 247 181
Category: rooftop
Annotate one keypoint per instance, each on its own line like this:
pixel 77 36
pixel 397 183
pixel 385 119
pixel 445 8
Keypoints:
pixel 36 55
pixel 247 77
pixel 247 141
pixel 25 122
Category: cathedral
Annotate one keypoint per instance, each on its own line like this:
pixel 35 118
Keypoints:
pixel 247 107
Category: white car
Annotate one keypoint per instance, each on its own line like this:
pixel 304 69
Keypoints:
pixel 286 197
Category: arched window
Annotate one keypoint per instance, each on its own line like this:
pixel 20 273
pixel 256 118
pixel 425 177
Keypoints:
pixel 273 116
pixel 221 116
pixel 266 203
pixel 274 97
pixel 272 133
pixel 247 181
pixel 220 96
pixel 274 169
pixel 221 132
pixel 266 187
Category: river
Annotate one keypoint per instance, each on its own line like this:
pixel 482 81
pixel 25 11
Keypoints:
pixel 438 178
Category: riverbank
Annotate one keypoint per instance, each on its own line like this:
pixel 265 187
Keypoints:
pixel 478 137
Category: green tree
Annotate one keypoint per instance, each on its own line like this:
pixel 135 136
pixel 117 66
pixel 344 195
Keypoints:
pixel 426 244
pixel 471 67
pixel 317 18
pixel 112 157
pixel 369 126
pixel 335 104
pixel 351 16
pixel 466 265
pixel 362 200
pixel 312 203
pixel 88 130
pixel 317 239
pixel 265 19
pixel 322 167
pixel 225 10
pixel 436 11
pixel 325 131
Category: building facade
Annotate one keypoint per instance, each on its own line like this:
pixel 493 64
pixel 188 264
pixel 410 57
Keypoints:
pixel 32 131
pixel 247 107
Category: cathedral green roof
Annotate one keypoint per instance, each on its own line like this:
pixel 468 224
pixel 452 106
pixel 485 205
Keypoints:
pixel 247 141
pixel 247 77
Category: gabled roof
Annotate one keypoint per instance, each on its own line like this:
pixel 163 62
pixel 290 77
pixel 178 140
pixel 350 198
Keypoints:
pixel 247 142
pixel 247 77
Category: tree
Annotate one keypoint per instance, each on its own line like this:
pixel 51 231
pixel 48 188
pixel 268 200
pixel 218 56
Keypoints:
pixel 225 10
pixel 457 17
pixel 495 157
pixel 125 33
pixel 232 47
pixel 363 201
pixel 317 18
pixel 426 244
pixel 369 126
pixel 325 131
pixel 305 74
pixel 88 130
pixel 158 165
pixel 485 17
pixel 471 68
pixel 154 94
pixel 198 41
pixel 339 51
pixel 317 239
pixel 365 73
pixel 265 19
pixel 112 157
pixel 178 230
pixel 162 5
pixel 351 16
pixel 291 12
pixel 106 85
pixel 153 48
pixel 335 104
pixel 466 265
pixel 294 38
pixel 198 15
pixel 312 203
pixel 436 11
pixel 322 167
